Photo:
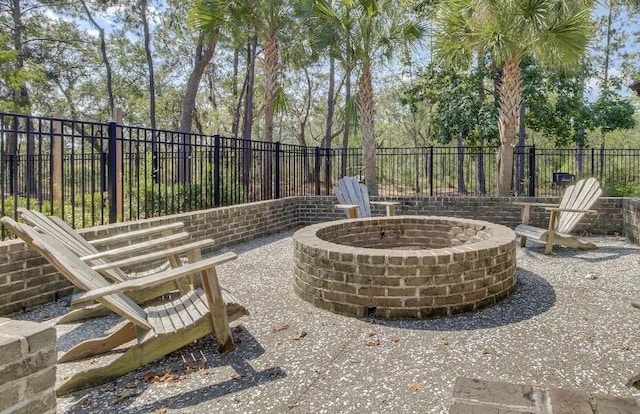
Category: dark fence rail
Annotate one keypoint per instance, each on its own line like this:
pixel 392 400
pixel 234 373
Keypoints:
pixel 96 173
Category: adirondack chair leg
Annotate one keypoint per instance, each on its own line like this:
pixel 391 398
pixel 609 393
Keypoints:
pixel 553 223
pixel 135 357
pixel 391 210
pixel 548 247
pixel 218 311
pixel 523 241
pixel 352 212
pixel 96 346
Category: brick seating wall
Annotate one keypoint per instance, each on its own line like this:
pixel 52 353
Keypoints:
pixel 26 280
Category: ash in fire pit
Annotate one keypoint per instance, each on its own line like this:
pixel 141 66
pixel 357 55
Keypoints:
pixel 404 266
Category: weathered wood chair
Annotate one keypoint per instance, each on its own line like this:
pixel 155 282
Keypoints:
pixel 110 262
pixel 576 202
pixel 158 330
pixel 353 198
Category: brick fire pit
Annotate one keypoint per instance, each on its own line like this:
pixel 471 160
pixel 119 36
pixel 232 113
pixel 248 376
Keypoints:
pixel 404 266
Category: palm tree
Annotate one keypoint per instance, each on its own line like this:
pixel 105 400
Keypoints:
pixel 360 33
pixel 555 32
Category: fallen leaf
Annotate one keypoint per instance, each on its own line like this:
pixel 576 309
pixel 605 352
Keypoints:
pixel 275 373
pixel 124 396
pixel 444 340
pixel 280 327
pixel 370 334
pixel 488 351
pixel 130 385
pixel 590 336
pixel 235 376
pixel 239 328
pixel 624 347
pixel 108 388
pixel 149 376
pixel 372 342
pixel 160 411
pixel 237 340
pixel 394 339
pixel 415 385
pixel 299 335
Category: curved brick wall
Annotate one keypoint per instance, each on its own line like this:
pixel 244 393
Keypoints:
pixel 404 266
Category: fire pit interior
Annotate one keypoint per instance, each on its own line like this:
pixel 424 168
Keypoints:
pixel 404 266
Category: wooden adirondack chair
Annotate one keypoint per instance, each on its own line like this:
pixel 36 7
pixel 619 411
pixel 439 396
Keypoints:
pixel 354 199
pixel 575 203
pixel 158 330
pixel 109 262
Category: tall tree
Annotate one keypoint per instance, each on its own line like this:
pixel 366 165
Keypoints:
pixel 376 30
pixel 555 32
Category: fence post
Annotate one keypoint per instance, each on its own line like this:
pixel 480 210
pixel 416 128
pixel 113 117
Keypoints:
pixel 56 162
pixel 316 170
pixel 216 170
pixel 532 171
pixel 430 169
pixel 327 171
pixel 112 184
pixel 277 170
pixel 115 167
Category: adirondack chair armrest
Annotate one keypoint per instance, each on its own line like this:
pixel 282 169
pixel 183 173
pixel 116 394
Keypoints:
pixel 571 210
pixel 351 210
pixel 525 203
pixel 525 213
pixel 138 247
pixel 384 203
pixel 159 278
pixel 390 206
pixel 199 245
pixel 165 229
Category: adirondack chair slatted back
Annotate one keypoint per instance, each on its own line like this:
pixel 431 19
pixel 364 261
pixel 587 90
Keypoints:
pixel 580 196
pixel 77 272
pixel 61 231
pixel 349 191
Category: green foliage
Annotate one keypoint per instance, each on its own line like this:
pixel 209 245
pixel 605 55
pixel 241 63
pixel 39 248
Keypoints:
pixel 612 112
pixel 82 214
pixel 457 104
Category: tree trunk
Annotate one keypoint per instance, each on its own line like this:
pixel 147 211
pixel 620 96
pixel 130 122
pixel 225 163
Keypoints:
pixel 237 95
pixel 330 110
pixel 155 166
pixel 347 123
pixel 105 58
pixel 365 116
pixel 510 93
pixel 247 125
pixel 271 67
pixel 201 59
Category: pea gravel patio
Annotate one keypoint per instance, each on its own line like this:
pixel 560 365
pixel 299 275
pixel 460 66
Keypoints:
pixel 569 324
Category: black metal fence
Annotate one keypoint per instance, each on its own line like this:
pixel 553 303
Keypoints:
pixel 94 173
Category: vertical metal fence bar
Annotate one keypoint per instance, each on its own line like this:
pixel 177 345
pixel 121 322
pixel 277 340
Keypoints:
pixel 216 170
pixel 113 178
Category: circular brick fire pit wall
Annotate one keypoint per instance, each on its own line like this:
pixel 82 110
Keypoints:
pixel 404 266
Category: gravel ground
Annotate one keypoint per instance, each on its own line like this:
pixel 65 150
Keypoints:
pixel 569 324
